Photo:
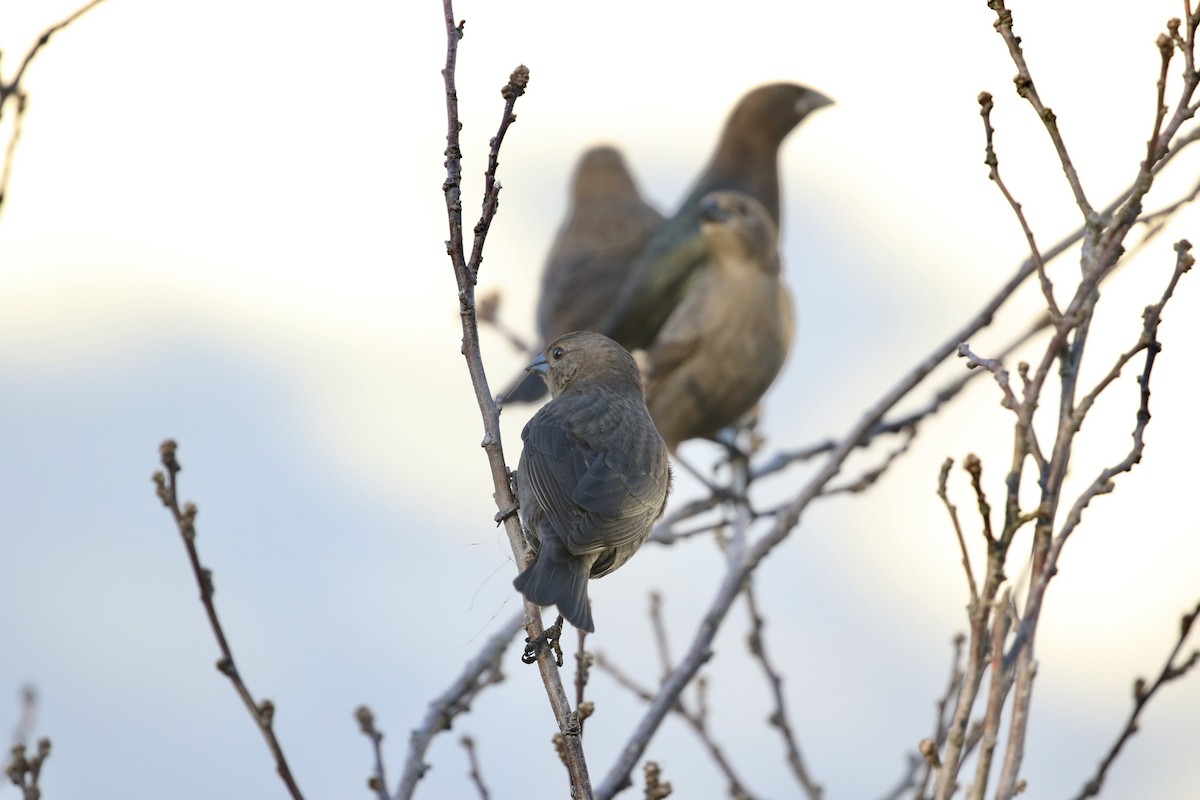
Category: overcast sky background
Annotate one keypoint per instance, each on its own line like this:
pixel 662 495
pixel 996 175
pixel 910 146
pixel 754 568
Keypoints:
pixel 225 226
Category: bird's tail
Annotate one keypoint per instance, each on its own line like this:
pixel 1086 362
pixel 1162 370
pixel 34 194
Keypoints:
pixel 556 578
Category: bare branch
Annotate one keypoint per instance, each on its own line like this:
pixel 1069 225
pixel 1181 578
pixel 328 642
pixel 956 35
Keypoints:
pixel 476 776
pixel 262 712
pixel 779 717
pixel 480 672
pixel 941 723
pixel 985 111
pixel 377 783
pixel 694 719
pixel 487 308
pixel 13 90
pixel 1151 317
pixel 466 274
pixel 872 476
pixel 1026 89
pixel 996 695
pixel 1141 697
pixel 660 633
pixel 962 542
pixel 23 730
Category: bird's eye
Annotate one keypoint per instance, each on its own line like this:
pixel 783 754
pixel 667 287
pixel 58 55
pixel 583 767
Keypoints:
pixel 557 353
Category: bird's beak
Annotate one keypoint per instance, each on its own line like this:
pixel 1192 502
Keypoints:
pixel 711 209
pixel 810 102
pixel 539 365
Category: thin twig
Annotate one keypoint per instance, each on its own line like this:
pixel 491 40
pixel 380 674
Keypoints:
pixel 989 732
pixel 377 783
pixel 871 476
pixel 1103 483
pixel 993 163
pixel 13 89
pixel 1141 697
pixel 487 308
pixel 1026 89
pixel 262 712
pixel 480 672
pixel 779 717
pixel 660 633
pixel 952 510
pixel 476 776
pixel 941 722
pixel 23 730
pixel 908 781
pixel 694 719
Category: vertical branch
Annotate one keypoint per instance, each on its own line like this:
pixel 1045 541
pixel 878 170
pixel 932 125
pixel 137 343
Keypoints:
pixel 377 783
pixel 475 774
pixel 940 729
pixel 660 633
pixel 466 275
pixel 996 694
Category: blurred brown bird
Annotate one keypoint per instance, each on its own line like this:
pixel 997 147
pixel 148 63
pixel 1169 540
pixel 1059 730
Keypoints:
pixel 594 474
pixel 607 226
pixel 723 346
pixel 746 160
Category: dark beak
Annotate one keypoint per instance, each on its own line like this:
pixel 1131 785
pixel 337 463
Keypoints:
pixel 711 209
pixel 810 102
pixel 539 365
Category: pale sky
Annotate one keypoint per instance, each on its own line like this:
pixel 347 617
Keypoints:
pixel 226 226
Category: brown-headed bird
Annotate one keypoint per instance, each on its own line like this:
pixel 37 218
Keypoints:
pixel 607 226
pixel 723 346
pixel 746 160
pixel 594 473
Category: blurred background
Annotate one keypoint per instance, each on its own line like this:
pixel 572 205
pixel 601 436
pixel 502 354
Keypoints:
pixel 225 225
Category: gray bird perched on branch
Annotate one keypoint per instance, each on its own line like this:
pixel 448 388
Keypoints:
pixel 607 226
pixel 724 345
pixel 746 160
pixel 594 473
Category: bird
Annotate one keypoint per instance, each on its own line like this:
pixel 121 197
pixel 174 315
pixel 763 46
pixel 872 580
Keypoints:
pixel 594 474
pixel 606 227
pixel 725 343
pixel 745 160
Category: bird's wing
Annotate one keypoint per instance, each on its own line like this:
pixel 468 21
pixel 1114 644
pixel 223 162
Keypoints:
pixel 618 501
pixel 656 282
pixel 590 502
pixel 683 333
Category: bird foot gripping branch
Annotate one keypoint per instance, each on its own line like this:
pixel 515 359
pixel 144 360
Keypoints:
pixel 550 638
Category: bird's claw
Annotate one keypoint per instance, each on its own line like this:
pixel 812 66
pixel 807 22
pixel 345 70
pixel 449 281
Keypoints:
pixel 503 515
pixel 548 638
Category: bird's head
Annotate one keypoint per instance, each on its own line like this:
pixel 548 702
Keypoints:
pixel 776 108
pixel 583 360
pixel 737 224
